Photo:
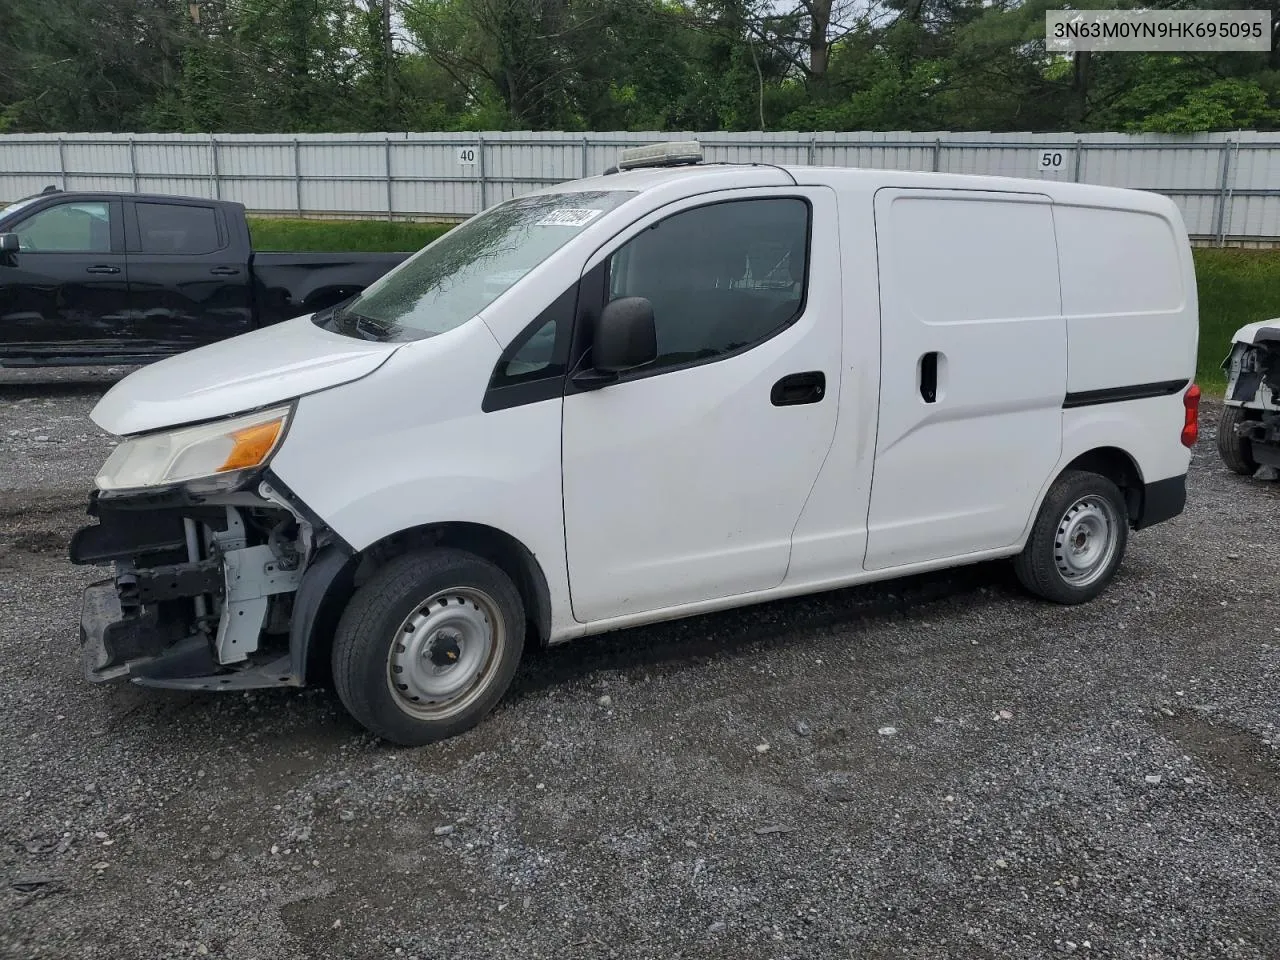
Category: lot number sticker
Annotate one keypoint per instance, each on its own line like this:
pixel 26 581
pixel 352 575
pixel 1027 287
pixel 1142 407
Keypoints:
pixel 467 156
pixel 1051 160
pixel 569 217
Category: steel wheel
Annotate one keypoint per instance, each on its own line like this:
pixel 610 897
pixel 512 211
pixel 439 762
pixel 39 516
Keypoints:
pixel 428 645
pixel 1077 541
pixel 1086 540
pixel 443 652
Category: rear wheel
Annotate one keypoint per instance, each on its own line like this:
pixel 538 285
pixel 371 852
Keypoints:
pixel 1078 539
pixel 1234 450
pixel 428 646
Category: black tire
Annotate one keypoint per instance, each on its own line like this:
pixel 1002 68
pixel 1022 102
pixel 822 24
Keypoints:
pixel 377 618
pixel 1233 449
pixel 1043 565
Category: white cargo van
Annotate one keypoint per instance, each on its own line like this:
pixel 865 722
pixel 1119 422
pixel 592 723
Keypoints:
pixel 672 389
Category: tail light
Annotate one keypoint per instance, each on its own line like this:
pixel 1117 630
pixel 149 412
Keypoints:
pixel 1191 425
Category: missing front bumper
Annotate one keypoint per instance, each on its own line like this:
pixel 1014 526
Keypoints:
pixel 100 614
pixel 108 638
pixel 189 604
pixel 115 644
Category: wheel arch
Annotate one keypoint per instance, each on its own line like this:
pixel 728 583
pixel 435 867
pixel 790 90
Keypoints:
pixel 1105 457
pixel 336 574
pixel 1120 468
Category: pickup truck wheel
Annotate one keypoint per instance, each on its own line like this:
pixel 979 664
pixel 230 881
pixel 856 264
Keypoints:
pixel 428 646
pixel 1234 450
pixel 1078 539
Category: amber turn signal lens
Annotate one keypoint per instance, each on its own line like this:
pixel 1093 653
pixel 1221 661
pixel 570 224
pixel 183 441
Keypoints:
pixel 251 445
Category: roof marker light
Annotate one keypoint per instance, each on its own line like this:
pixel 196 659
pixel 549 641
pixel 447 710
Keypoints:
pixel 671 154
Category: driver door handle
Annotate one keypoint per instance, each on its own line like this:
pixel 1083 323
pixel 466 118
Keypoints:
pixel 102 268
pixel 797 388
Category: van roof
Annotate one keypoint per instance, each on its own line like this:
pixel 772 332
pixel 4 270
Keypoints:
pixel 717 176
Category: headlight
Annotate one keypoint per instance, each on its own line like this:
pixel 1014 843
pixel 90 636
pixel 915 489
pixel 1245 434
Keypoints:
pixel 217 451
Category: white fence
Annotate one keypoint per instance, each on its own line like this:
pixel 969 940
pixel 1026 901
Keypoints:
pixel 1228 185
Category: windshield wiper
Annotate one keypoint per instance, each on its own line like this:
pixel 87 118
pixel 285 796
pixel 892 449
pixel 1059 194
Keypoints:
pixel 358 325
pixel 372 329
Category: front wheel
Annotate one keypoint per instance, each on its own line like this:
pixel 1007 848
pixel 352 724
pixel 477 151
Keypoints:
pixel 428 646
pixel 1078 539
pixel 1234 450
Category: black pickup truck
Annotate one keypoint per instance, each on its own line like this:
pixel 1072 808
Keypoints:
pixel 130 278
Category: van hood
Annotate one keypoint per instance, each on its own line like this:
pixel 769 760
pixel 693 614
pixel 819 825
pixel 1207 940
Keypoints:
pixel 1249 332
pixel 241 373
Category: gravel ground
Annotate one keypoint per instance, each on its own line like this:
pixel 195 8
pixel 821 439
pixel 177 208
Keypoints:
pixel 939 767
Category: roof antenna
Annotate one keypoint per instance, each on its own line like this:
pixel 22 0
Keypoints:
pixel 791 176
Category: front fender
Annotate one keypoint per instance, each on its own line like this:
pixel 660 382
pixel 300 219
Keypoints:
pixel 413 448
pixel 327 585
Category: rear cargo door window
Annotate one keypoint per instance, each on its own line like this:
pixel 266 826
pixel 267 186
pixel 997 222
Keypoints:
pixel 177 228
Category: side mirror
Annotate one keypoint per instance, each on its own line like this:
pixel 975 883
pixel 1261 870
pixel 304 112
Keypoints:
pixel 9 243
pixel 625 337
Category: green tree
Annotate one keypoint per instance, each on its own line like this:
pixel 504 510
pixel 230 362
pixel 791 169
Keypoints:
pixel 321 65
pixel 85 65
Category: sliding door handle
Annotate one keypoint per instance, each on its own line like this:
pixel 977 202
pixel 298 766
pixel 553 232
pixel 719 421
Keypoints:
pixel 929 377
pixel 102 268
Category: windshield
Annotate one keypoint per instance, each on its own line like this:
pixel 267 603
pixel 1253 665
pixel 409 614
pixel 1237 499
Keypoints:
pixel 451 280
pixel 17 205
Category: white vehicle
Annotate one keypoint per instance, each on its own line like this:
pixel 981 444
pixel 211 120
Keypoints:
pixel 1249 430
pixel 673 389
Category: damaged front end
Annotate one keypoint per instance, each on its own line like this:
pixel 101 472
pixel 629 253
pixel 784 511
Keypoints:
pixel 222 579
pixel 1250 428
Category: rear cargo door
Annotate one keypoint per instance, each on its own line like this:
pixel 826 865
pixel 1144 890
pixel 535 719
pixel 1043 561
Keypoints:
pixel 189 282
pixel 972 373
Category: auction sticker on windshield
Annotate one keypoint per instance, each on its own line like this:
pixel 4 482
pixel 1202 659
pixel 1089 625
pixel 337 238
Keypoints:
pixel 569 217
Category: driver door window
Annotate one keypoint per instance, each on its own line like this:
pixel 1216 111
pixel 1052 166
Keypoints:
pixel 67 228
pixel 721 277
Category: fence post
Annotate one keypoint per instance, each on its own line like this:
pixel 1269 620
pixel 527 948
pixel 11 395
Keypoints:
pixel 480 160
pixel 1229 196
pixel 1222 192
pixel 937 154
pixel 62 164
pixel 133 165
pixel 387 143
pixel 297 175
pixel 1077 162
pixel 584 156
pixel 813 151
pixel 213 161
